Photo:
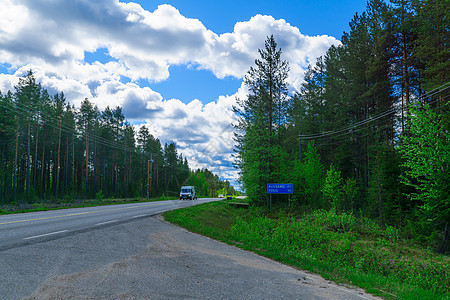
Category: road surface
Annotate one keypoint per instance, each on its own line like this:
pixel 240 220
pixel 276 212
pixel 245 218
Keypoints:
pixel 126 252
pixel 28 228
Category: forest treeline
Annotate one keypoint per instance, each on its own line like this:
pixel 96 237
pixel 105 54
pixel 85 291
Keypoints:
pixel 49 150
pixel 368 131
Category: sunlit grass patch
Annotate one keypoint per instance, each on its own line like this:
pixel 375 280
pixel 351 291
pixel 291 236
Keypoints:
pixel 340 247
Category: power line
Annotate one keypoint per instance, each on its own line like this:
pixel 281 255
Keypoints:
pixel 21 109
pixel 376 117
pixel 340 138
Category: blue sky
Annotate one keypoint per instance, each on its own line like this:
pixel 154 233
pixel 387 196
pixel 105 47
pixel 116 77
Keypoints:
pixel 174 66
pixel 312 17
pixel 322 17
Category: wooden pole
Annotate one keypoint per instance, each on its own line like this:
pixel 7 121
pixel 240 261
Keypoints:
pixel 148 179
pixel 150 176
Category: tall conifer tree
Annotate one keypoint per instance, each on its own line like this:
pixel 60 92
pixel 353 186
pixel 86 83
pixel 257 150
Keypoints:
pixel 261 116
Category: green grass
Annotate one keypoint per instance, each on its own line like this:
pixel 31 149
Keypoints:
pixel 55 205
pixel 340 247
pixel 212 219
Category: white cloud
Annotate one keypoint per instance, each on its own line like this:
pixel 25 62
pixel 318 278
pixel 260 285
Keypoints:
pixel 52 37
pixel 145 43
pixel 203 133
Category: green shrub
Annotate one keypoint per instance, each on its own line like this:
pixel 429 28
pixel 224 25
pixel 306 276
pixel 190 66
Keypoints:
pixel 99 195
pixel 332 189
pixel 330 242
pixel 350 192
pixel 67 199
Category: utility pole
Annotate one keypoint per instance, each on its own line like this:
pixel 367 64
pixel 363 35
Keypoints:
pixel 148 179
pixel 150 175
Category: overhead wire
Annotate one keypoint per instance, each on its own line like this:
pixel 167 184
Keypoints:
pixel 52 122
pixel 386 113
pixel 335 140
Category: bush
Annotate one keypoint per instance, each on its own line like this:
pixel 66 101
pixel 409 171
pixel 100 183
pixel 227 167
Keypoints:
pixel 326 240
pixel 67 199
pixel 332 189
pixel 350 192
pixel 99 195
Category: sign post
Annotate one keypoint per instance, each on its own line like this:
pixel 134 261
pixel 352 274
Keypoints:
pixel 280 188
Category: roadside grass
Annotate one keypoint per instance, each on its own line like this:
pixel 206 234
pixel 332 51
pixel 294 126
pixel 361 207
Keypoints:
pixel 235 199
pixel 213 219
pixel 340 247
pixel 15 208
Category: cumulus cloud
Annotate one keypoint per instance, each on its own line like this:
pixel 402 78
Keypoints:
pixel 144 43
pixel 202 132
pixel 53 37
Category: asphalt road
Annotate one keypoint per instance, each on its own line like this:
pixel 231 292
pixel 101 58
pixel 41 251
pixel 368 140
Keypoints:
pixel 27 228
pixel 126 252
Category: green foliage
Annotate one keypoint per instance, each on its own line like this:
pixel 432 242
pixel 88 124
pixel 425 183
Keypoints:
pixel 356 104
pixel 67 199
pixel 426 152
pixel 431 46
pixel 338 246
pixel 49 149
pixel 332 240
pixel 261 118
pixel 208 184
pixel 99 195
pixel 332 189
pixel 350 193
pixel 310 175
pixel 222 192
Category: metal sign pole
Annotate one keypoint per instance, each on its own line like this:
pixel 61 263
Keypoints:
pixel 279 188
pixel 270 203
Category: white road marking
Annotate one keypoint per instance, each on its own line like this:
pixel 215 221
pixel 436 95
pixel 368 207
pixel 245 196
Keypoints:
pixel 46 234
pixel 107 222
pixel 138 216
pixel 84 213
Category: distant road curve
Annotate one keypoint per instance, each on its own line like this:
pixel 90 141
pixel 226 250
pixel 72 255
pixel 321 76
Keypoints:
pixel 26 228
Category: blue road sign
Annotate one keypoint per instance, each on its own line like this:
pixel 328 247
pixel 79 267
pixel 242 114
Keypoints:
pixel 280 188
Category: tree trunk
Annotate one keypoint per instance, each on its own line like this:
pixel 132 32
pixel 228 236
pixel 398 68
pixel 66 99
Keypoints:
pixel 36 153
pixel 406 81
pixel 87 162
pixel 15 162
pixel 42 168
pixel 27 184
pixel 73 165
pixel 445 239
pixel 66 173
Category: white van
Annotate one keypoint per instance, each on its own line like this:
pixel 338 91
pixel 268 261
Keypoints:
pixel 187 192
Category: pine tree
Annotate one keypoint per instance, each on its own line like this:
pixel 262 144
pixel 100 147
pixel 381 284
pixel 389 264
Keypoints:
pixel 405 77
pixel 86 120
pixel 7 135
pixel 27 99
pixel 431 46
pixel 261 117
